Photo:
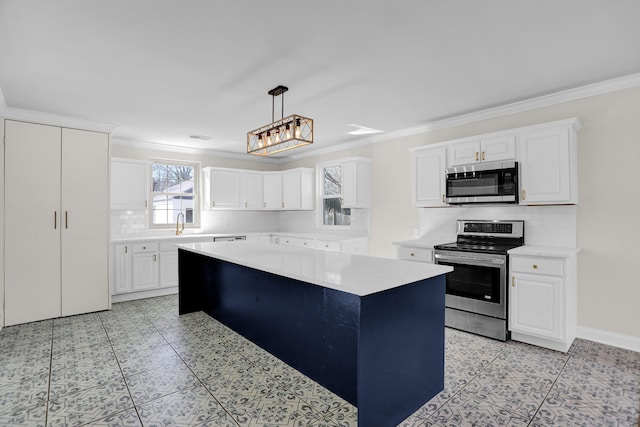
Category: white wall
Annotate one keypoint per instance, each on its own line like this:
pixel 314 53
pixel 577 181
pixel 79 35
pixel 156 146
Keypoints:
pixel 606 215
pixel 2 225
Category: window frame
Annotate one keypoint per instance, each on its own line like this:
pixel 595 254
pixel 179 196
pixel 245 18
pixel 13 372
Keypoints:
pixel 320 167
pixel 195 192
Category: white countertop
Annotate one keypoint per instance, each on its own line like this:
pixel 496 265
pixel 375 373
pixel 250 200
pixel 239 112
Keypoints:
pixel 548 251
pixel 170 235
pixel 418 243
pixel 355 274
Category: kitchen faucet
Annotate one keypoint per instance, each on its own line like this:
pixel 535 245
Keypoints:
pixel 179 230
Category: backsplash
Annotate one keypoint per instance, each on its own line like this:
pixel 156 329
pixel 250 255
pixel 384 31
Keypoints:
pixel 307 222
pixel 543 225
pixel 135 223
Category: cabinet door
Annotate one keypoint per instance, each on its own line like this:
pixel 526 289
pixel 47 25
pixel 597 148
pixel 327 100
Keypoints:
pixel 464 153
pixel 85 221
pixel 429 177
pixel 253 198
pixel 145 271
pixel 545 167
pixel 129 189
pixel 498 148
pixel 349 184
pixel 291 196
pixel 535 305
pixel 122 280
pixel 225 189
pixel 272 185
pixel 168 269
pixel 32 222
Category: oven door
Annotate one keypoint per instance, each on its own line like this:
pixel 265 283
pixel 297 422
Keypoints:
pixel 477 283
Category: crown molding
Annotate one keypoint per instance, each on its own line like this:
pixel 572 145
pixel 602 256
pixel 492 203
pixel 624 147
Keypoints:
pixel 581 92
pixel 130 143
pixel 56 120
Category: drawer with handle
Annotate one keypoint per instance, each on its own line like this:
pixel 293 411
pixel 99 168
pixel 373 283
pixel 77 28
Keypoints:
pixel 139 248
pixel 535 265
pixel 415 254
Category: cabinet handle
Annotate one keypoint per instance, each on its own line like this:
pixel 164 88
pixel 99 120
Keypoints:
pixel 412 254
pixel 483 156
pixel 144 247
pixel 126 248
pixel 535 266
pixel 245 204
pixel 513 281
pixel 66 219
pixel 145 203
pixel 443 198
pixel 55 220
pixel 213 203
pixel 264 204
pixel 523 194
pixel 477 156
pixel 282 205
pixel 154 258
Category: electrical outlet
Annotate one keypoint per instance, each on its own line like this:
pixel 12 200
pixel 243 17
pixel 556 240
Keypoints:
pixel 416 233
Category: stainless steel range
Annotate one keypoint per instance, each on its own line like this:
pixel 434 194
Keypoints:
pixel 476 298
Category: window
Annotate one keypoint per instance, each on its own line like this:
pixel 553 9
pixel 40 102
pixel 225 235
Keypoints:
pixel 333 214
pixel 174 191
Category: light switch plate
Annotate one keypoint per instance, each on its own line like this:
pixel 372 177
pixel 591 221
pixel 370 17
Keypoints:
pixel 416 233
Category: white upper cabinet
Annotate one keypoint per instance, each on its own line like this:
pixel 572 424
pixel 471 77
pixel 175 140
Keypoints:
pixel 428 183
pixel 356 183
pixel 548 165
pixel 297 189
pixel 129 188
pixel 253 190
pixel 222 188
pixel 490 149
pixel 272 190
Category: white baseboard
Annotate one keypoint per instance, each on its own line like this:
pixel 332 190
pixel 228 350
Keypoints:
pixel 144 294
pixel 617 340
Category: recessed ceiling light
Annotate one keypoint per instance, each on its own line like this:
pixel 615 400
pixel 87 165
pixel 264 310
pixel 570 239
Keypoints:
pixel 202 137
pixel 362 130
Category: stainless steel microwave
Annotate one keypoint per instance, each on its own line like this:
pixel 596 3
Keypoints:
pixel 493 182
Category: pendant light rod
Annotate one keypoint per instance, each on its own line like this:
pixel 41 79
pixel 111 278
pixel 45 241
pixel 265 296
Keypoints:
pixel 276 91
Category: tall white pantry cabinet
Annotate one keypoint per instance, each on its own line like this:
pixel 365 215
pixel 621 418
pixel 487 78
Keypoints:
pixel 56 222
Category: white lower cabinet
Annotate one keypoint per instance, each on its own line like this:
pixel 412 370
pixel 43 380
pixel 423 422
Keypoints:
pixel 123 277
pixel 542 299
pixel 169 268
pixel 146 268
pixel 414 253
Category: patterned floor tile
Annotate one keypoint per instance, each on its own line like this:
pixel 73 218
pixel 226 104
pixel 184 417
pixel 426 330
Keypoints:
pixel 26 393
pixel 467 410
pixel 147 359
pixel 127 418
pixel 75 342
pixel 93 355
pixel 188 407
pixel 151 385
pixel 25 416
pixel 89 405
pixel 68 381
pixel 519 394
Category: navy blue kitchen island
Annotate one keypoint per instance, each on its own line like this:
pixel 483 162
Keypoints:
pixel 371 330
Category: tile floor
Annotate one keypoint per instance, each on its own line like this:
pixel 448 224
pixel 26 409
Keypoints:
pixel 142 364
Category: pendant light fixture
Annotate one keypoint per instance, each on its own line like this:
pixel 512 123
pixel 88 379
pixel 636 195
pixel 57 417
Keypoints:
pixel 289 132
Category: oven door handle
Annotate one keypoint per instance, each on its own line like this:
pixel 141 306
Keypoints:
pixel 468 258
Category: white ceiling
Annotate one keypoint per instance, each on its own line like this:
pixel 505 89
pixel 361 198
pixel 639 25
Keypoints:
pixel 166 69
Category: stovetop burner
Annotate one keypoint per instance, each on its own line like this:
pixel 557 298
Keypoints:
pixel 478 247
pixel 491 237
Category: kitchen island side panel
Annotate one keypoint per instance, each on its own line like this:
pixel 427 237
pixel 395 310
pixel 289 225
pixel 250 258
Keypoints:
pixel 401 351
pixel 312 328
